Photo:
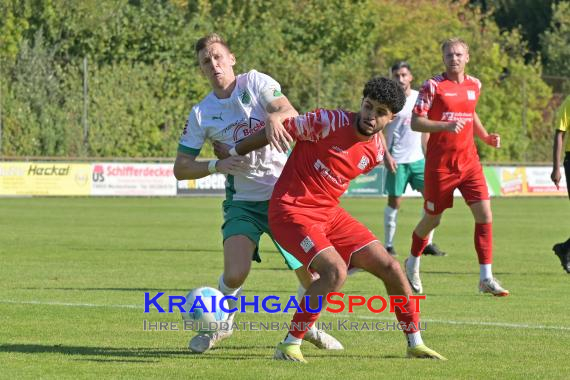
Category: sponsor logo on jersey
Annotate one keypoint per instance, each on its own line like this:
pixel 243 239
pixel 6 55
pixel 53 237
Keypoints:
pixel 244 97
pixel 380 155
pixel 364 161
pixel 338 149
pixel 243 129
pixel 217 117
pixel 449 94
pixel 307 244
pixel 471 95
pixel 326 172
pixel 277 93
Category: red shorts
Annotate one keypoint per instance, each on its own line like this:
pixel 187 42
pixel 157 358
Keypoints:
pixel 439 187
pixel 306 232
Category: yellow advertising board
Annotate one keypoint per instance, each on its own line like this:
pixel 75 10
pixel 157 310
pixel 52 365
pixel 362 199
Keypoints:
pixel 44 178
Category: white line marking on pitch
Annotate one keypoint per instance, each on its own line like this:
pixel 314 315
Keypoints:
pixel 69 304
pixel 448 322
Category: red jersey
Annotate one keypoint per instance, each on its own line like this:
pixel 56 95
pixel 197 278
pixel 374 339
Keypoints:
pixel 326 157
pixel 441 99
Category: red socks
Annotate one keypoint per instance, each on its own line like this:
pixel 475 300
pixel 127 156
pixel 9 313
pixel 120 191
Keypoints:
pixel 301 322
pixel 484 242
pixel 418 244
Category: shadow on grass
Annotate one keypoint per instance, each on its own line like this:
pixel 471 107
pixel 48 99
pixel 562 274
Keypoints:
pixel 150 355
pixel 167 291
pixel 125 354
pixel 156 250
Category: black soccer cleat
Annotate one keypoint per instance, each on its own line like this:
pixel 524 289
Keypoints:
pixel 562 250
pixel 432 249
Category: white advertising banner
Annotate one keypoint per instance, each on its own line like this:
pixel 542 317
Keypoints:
pixel 132 179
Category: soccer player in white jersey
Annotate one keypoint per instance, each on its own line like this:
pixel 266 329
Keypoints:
pixel 237 107
pixel 404 159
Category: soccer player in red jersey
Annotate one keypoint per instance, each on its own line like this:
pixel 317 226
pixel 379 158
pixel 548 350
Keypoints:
pixel 332 148
pixel 446 109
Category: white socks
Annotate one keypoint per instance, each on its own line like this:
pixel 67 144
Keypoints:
pixel 485 271
pixel 390 219
pixel 292 340
pixel 227 291
pixel 413 263
pixel 414 339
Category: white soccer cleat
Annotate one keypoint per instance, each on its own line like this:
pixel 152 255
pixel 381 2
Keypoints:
pixel 413 278
pixel 491 285
pixel 322 340
pixel 204 341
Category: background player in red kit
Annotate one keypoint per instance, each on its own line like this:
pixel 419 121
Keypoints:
pixel 446 109
pixel 332 148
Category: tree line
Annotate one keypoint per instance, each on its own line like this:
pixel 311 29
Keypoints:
pixel 142 78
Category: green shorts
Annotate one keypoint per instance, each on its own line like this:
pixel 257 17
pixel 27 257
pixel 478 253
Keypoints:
pixel 412 173
pixel 250 219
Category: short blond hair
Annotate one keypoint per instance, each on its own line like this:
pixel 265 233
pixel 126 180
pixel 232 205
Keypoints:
pixel 208 40
pixel 454 41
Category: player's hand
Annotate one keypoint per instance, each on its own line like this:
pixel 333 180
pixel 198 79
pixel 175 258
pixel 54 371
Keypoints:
pixel 390 163
pixel 277 135
pixel 555 177
pixel 233 165
pixel 456 126
pixel 221 150
pixel 493 140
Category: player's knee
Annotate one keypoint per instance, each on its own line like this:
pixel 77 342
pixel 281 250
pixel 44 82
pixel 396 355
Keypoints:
pixel 335 276
pixel 391 265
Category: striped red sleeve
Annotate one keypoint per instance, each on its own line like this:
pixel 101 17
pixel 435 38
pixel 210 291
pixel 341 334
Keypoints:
pixel 316 125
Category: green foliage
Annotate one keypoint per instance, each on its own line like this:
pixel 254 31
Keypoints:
pixel 556 41
pixel 36 122
pixel 143 77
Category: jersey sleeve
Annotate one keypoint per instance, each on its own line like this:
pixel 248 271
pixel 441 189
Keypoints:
pixel 316 125
pixel 267 88
pixel 425 98
pixel 193 136
pixel 563 117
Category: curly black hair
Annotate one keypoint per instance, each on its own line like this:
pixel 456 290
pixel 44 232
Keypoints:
pixel 385 91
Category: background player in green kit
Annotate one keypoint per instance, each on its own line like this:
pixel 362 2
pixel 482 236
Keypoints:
pixel 404 159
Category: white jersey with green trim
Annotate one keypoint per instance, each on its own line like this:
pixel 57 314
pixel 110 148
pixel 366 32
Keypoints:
pixel 404 144
pixel 229 121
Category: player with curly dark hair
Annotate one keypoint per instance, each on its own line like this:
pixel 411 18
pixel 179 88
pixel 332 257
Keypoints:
pixel 332 148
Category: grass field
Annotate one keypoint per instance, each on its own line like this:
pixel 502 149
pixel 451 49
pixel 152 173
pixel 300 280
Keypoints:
pixel 73 272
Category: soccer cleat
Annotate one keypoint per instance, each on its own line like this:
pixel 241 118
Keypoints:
pixel 491 285
pixel 413 278
pixel 323 340
pixel 204 341
pixel 423 352
pixel 432 249
pixel 563 254
pixel 391 251
pixel 290 352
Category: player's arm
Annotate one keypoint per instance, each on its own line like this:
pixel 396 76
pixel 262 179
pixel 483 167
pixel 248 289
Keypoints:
pixel 423 124
pixel 556 154
pixel 389 161
pixel 277 111
pixel 492 139
pixel 311 126
pixel 186 166
pixel 425 138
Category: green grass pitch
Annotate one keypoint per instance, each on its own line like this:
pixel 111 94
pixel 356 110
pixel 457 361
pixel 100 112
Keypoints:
pixel 73 272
